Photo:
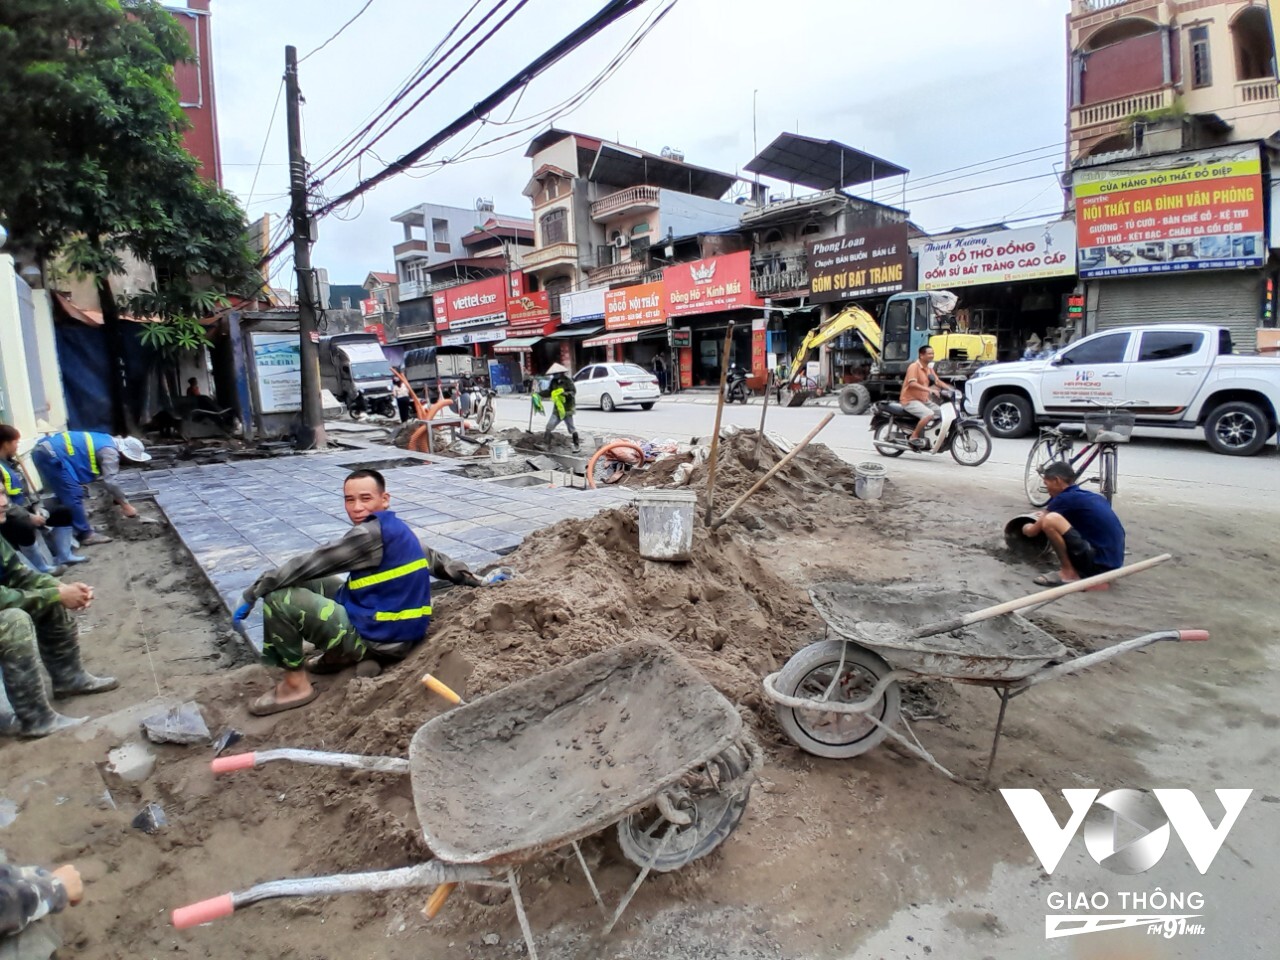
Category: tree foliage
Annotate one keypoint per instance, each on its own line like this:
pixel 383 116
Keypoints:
pixel 91 135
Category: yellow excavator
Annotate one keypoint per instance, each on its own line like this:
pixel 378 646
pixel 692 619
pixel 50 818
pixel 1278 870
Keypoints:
pixel 909 321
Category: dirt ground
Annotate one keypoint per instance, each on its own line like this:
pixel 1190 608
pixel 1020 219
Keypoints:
pixel 827 851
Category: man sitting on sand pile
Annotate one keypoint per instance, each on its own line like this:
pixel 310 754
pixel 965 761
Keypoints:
pixel 381 611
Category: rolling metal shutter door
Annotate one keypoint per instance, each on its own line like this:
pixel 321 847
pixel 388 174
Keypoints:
pixel 1232 300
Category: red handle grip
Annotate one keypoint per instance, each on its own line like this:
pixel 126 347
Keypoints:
pixel 237 761
pixel 1193 634
pixel 203 912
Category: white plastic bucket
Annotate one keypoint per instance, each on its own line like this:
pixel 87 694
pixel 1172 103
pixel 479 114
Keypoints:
pixel 500 451
pixel 868 482
pixel 666 523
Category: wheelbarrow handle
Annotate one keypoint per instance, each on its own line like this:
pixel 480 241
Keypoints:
pixel 433 872
pixel 317 758
pixel 1105 654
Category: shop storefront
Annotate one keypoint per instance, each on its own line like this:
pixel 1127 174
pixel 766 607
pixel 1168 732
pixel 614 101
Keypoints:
pixel 865 268
pixel 1178 237
pixel 474 315
pixel 635 324
pixel 703 296
pixel 1012 284
pixel 581 318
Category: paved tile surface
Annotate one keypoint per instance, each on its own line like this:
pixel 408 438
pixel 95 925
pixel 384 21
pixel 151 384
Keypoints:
pixel 239 519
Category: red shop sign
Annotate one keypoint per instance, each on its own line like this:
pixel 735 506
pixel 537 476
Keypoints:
pixel 473 304
pixel 631 307
pixel 529 309
pixel 705 286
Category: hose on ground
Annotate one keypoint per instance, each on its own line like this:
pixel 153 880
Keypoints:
pixel 591 464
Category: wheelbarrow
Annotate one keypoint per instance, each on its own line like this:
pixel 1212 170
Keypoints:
pixel 840 698
pixel 632 736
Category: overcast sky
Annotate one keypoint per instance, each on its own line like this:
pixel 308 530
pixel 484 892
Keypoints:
pixel 932 85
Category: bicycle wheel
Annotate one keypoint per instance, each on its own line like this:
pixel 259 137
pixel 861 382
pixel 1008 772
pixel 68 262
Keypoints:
pixel 1109 479
pixel 1043 452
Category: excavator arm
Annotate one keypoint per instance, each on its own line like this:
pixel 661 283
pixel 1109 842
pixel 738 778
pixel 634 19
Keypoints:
pixel 851 318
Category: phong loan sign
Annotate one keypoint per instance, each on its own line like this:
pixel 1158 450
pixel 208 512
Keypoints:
pixel 1191 211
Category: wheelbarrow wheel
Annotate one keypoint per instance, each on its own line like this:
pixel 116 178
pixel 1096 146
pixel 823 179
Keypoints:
pixel 808 675
pixel 715 804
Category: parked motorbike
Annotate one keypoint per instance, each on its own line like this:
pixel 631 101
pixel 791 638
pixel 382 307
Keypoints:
pixel 966 438
pixel 480 404
pixel 735 387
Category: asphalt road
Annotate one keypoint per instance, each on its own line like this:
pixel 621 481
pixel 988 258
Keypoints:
pixel 1181 470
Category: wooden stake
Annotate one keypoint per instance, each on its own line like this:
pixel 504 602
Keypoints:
pixel 776 467
pixel 715 436
pixel 755 454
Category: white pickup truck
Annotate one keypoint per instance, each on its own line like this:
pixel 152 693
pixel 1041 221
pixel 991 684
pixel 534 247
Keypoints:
pixel 1176 375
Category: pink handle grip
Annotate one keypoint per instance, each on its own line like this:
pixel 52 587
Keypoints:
pixel 237 761
pixel 203 912
pixel 1193 634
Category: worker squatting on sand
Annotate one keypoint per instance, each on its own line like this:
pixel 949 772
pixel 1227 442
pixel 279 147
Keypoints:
pixel 35 626
pixel 381 611
pixel 28 894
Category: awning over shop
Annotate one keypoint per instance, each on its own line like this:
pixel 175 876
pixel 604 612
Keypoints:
pixel 516 345
pixel 820 164
pixel 574 332
pixel 609 339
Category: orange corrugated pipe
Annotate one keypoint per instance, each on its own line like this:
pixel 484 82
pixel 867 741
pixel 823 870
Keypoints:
pixel 591 464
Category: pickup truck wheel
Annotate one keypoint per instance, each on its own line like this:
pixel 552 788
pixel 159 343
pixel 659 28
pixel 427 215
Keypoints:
pixel 1237 429
pixel 1009 416
pixel 855 399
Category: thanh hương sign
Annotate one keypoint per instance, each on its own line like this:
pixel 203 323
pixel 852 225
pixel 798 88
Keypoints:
pixel 869 263
pixel 1002 256
pixel 1190 211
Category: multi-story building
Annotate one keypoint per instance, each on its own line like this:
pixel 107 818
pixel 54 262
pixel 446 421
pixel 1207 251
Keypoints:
pixel 1173 110
pixel 446 246
pixel 601 209
pixel 194 80
pixel 1153 75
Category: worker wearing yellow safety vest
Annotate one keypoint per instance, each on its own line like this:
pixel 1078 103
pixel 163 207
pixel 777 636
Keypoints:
pixel 380 612
pixel 23 519
pixel 562 394
pixel 71 460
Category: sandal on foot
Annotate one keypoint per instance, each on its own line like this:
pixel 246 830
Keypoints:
pixel 1051 580
pixel 267 704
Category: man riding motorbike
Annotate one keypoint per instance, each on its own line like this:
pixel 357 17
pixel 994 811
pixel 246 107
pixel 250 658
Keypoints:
pixel 918 394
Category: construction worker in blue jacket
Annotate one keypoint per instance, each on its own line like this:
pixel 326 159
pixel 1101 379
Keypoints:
pixel 71 460
pixel 381 611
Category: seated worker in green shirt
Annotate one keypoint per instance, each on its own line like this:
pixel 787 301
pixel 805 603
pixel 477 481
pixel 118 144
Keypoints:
pixel 380 611
pixel 35 626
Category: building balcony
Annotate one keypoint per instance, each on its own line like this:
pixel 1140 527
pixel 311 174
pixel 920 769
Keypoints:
pixel 1256 91
pixel 771 277
pixel 630 200
pixel 616 272
pixel 1112 111
pixel 411 248
pixel 412 290
pixel 1082 8
pixel 551 254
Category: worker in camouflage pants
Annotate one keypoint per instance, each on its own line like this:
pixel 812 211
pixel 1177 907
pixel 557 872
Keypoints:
pixel 35 626
pixel 308 611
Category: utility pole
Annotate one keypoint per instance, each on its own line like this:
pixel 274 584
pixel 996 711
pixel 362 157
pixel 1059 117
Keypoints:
pixel 312 435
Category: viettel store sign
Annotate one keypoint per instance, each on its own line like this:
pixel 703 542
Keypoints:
pixel 472 304
pixel 705 286
pixel 1190 211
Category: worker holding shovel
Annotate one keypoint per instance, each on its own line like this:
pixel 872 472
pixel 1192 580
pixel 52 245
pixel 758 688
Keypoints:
pixel 561 392
pixel 381 611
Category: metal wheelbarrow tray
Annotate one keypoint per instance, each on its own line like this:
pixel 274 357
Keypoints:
pixel 839 698
pixel 632 736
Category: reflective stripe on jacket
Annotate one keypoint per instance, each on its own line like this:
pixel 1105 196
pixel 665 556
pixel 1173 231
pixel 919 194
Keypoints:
pixel 11 477
pixel 391 603
pixel 79 451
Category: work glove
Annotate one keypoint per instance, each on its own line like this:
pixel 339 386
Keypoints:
pixel 496 576
pixel 240 615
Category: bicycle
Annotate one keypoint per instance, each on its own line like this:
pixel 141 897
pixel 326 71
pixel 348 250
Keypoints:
pixel 1104 432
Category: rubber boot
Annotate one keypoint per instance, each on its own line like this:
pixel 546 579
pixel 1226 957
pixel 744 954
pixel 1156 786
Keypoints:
pixel 60 650
pixel 24 687
pixel 37 558
pixel 576 446
pixel 62 538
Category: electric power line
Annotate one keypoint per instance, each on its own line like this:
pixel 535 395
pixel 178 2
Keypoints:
pixel 262 154
pixel 366 6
